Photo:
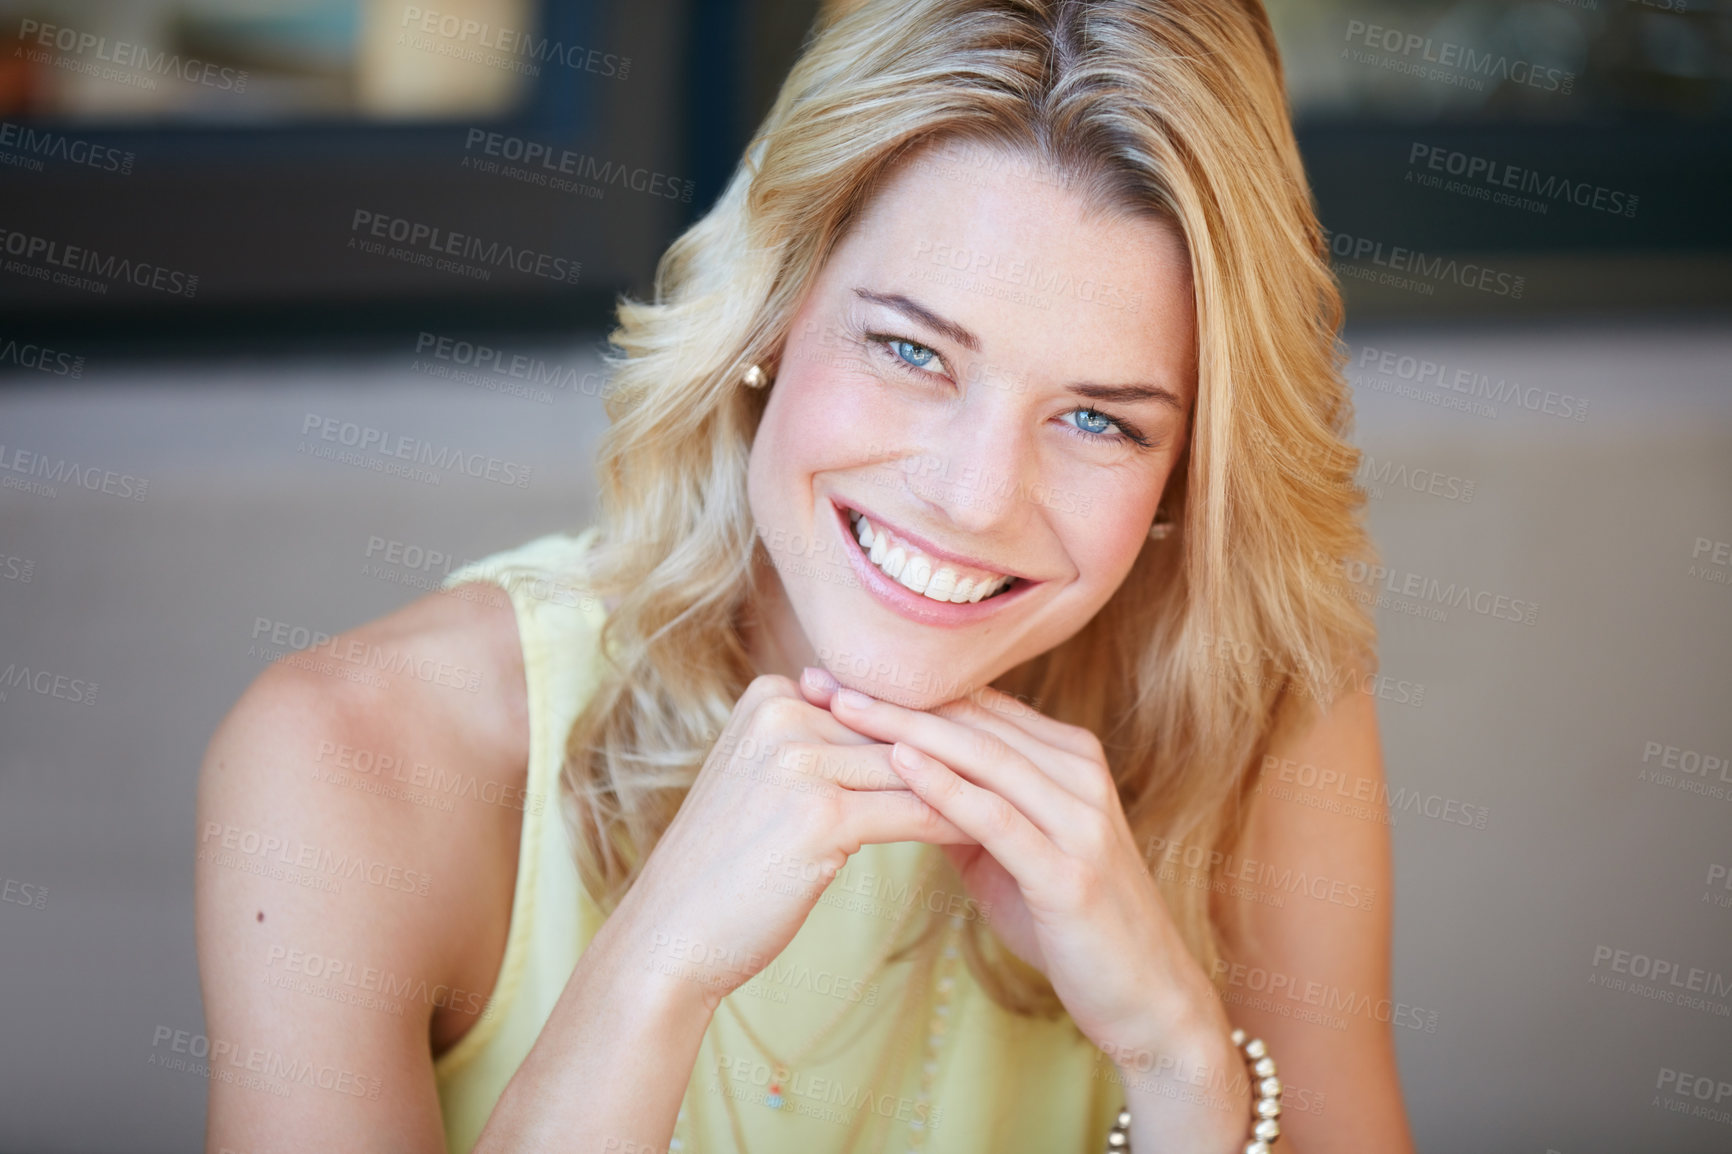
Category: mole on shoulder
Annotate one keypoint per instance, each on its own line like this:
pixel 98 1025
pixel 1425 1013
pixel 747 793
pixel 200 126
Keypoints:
pixel 261 915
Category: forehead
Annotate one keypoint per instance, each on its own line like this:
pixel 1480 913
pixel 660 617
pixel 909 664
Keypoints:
pixel 1012 250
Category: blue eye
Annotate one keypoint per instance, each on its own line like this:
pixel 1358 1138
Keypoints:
pixel 917 355
pixel 1091 420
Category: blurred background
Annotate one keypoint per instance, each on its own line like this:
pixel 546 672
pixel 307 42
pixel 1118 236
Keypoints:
pixel 1528 203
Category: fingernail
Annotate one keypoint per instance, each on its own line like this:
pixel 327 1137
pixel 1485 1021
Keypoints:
pixel 853 697
pixel 905 756
pixel 818 678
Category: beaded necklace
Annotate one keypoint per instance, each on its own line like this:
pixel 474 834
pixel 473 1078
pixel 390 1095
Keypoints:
pixel 938 961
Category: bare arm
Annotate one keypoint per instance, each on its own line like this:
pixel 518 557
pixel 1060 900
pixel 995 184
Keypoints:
pixel 628 1036
pixel 294 956
pixel 330 917
pixel 1323 954
pixel 344 982
pixel 347 935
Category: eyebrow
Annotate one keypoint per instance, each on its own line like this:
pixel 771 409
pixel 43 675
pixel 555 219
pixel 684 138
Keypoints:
pixel 1125 394
pixel 1122 394
pixel 924 315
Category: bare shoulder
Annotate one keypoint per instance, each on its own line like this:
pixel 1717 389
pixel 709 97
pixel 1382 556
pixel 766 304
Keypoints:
pixel 359 813
pixel 378 732
pixel 1320 788
pixel 1308 966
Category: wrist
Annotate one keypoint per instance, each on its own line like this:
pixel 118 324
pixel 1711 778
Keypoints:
pixel 1191 1035
pixel 641 963
pixel 1192 1094
pixel 613 1058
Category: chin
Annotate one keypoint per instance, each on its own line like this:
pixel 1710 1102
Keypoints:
pixel 911 671
pixel 913 680
pixel 875 633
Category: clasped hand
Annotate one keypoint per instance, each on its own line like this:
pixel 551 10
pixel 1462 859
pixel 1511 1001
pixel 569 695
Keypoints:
pixel 1056 861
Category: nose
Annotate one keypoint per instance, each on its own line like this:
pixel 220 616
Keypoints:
pixel 978 461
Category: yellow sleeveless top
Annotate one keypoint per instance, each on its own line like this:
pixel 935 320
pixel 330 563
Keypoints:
pixel 907 1055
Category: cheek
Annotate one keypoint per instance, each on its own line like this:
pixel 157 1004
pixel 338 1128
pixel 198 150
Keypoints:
pixel 1107 531
pixel 820 420
pixel 1105 546
pixel 796 439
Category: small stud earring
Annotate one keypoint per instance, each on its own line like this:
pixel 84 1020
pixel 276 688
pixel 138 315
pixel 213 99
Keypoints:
pixel 755 378
pixel 1163 526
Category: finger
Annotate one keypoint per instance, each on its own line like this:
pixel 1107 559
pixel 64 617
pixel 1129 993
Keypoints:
pixel 1024 851
pixel 1072 739
pixel 778 707
pixel 982 757
pixel 764 687
pixel 816 688
pixel 898 815
pixel 992 710
pixel 857 767
pixel 1083 778
pixel 817 685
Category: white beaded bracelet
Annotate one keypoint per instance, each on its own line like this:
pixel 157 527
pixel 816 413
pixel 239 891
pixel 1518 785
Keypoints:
pixel 1265 1102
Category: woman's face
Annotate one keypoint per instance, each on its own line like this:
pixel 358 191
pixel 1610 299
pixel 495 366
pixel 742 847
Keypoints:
pixel 1000 382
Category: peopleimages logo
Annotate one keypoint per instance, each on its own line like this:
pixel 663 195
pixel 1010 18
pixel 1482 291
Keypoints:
pixel 220 1059
pixel 1400 583
pixel 46 683
pixel 368 439
pixel 34 144
pixel 1497 175
pixel 24 894
pixel 53 471
pixel 40 358
pixel 1448 55
pixel 359 978
pixel 488 359
pixel 1475 386
pixel 542 162
pixel 35 252
pixel 1399 259
pixel 1283 991
pixel 463 33
pixel 1662 980
pixel 436 240
pixel 256 852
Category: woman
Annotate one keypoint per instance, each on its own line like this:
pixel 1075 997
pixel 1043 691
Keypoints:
pixel 886 769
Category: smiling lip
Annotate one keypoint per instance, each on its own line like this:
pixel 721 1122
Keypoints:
pixel 916 607
pixel 932 550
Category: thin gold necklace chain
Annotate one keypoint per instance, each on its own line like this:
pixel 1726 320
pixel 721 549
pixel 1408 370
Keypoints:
pixel 891 1044
pixel 823 1031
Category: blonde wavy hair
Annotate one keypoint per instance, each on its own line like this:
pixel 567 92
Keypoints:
pixel 1233 626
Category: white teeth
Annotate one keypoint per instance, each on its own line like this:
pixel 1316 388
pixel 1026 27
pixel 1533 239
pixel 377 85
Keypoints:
pixel 915 572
